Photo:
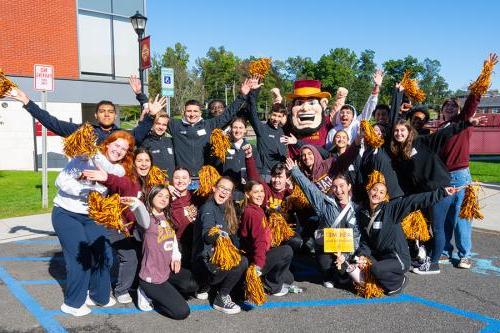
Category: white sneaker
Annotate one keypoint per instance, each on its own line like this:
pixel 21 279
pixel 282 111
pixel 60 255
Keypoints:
pixel 202 295
pixel 77 312
pixel 282 292
pixel 143 301
pixel 328 284
pixel 124 299
pixel 110 303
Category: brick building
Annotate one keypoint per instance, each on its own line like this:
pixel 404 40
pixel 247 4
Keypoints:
pixel 93 49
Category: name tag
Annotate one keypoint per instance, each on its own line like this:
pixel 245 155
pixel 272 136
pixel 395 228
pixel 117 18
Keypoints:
pixel 183 132
pixel 168 245
pixel 377 225
pixel 229 157
pixel 201 132
pixel 170 151
pixel 271 135
pixel 156 151
pixel 231 151
pixel 413 152
pixel 351 168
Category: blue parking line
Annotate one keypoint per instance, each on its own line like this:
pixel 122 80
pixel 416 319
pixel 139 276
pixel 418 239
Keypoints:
pixel 46 320
pixel 30 258
pixel 40 282
pixel 37 241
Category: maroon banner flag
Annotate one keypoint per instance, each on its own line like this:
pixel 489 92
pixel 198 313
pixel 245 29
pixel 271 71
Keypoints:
pixel 145 46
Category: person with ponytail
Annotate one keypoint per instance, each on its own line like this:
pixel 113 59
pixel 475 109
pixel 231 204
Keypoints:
pixel 219 212
pixel 272 264
pixel 161 259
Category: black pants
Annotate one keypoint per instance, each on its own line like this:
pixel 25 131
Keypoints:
pixel 226 280
pixel 389 273
pixel 127 250
pixel 328 268
pixel 276 271
pixel 166 299
pixel 183 281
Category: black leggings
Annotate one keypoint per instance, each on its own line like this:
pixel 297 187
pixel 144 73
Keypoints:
pixel 328 268
pixel 389 273
pixel 207 272
pixel 166 299
pixel 276 271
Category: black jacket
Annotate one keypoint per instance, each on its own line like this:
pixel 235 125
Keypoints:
pixel 270 150
pixel 386 238
pixel 162 149
pixel 64 128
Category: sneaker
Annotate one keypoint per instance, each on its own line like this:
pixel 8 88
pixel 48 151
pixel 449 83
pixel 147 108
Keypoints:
pixel 284 290
pixel 464 263
pixel 77 312
pixel 203 295
pixel 400 289
pixel 124 299
pixel 110 303
pixel 427 268
pixel 328 284
pixel 224 303
pixel 143 301
pixel 444 259
pixel 294 289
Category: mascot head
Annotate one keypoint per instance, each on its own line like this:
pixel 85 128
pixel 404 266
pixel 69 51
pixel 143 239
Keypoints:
pixel 307 114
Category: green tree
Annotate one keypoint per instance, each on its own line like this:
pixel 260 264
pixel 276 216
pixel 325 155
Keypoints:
pixel 362 86
pixel 434 85
pixel 394 70
pixel 337 69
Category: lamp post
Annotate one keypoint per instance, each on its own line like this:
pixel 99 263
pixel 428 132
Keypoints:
pixel 139 23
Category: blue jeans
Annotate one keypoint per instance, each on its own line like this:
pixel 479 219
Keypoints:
pixel 445 221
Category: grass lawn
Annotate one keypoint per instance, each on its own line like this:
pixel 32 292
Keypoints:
pixel 21 193
pixel 22 190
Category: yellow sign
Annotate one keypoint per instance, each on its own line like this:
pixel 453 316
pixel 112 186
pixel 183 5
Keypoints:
pixel 338 240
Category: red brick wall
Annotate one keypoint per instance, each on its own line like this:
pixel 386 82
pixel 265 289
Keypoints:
pixel 39 32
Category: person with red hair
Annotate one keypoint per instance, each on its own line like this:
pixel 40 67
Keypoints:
pixel 86 249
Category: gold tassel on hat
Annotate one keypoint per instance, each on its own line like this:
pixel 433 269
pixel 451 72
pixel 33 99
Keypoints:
pixel 483 81
pixel 370 288
pixel 226 256
pixel 470 205
pixel 280 230
pixel 156 177
pixel 371 138
pixel 107 211
pixel 209 176
pixel 5 84
pixel 219 144
pixel 254 289
pixel 414 226
pixel 412 89
pixel 81 142
pixel 259 67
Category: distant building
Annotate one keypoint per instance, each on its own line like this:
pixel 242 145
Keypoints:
pixel 93 49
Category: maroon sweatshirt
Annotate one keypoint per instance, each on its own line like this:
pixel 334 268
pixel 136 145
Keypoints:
pixel 125 187
pixel 178 214
pixel 255 235
pixel 455 153
pixel 272 198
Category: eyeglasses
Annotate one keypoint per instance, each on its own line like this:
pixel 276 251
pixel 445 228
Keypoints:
pixel 224 189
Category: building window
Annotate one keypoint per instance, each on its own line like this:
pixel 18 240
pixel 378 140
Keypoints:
pixel 495 110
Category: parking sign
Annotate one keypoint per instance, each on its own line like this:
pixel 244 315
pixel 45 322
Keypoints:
pixel 43 78
pixel 167 82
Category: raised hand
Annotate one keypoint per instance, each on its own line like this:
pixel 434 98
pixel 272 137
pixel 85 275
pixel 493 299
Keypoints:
pixel 255 82
pixel 156 105
pixel 98 175
pixel 128 201
pixel 378 77
pixel 288 140
pixel 290 164
pixel 246 86
pixel 18 95
pixel 276 95
pixel 493 58
pixel 478 121
pixel 247 149
pixel 135 84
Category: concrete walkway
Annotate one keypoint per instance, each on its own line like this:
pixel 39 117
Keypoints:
pixel 33 226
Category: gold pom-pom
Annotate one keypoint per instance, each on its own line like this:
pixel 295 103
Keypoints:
pixel 259 67
pixel 470 205
pixel 226 256
pixel 483 81
pixel 374 178
pixel 280 230
pixel 156 177
pixel 254 289
pixel 414 226
pixel 5 84
pixel 371 138
pixel 107 211
pixel 370 288
pixel 209 176
pixel 81 142
pixel 219 144
pixel 412 89
pixel 296 200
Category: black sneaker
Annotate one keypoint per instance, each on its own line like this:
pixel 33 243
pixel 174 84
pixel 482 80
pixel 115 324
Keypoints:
pixel 427 268
pixel 225 304
pixel 400 289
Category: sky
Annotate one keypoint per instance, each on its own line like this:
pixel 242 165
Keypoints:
pixel 460 34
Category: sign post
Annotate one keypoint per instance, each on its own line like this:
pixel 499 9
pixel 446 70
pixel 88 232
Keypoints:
pixel 167 85
pixel 43 81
